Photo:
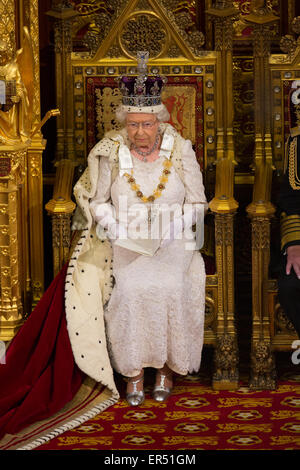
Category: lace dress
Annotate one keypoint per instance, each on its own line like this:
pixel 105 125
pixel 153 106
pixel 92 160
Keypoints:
pixel 155 314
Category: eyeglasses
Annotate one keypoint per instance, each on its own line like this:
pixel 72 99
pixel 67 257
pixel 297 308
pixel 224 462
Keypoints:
pixel 145 125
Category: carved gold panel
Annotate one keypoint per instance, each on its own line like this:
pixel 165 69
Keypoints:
pixel 243 32
pixel 281 329
pixel 7 23
pixel 144 20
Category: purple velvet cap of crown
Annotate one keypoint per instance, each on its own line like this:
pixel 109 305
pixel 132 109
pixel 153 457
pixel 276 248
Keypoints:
pixel 147 93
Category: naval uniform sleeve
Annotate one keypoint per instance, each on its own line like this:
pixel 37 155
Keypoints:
pixel 289 201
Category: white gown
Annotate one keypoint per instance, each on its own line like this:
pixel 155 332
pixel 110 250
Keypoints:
pixel 156 311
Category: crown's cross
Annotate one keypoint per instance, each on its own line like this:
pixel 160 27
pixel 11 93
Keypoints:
pixel 142 91
pixel 142 60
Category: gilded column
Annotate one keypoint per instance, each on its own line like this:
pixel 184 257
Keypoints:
pixel 60 208
pixel 261 210
pixel 223 204
pixel 33 186
pixel 35 206
pixel 12 177
pixel 12 174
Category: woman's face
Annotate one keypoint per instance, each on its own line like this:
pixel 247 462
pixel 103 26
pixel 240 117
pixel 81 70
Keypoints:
pixel 142 129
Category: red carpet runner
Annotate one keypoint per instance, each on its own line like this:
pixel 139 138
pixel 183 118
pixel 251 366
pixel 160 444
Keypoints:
pixel 195 417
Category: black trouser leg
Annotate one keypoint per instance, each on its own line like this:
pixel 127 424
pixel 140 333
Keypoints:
pixel 289 295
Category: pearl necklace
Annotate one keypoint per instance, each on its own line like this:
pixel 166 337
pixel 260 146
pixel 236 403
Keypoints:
pixel 145 154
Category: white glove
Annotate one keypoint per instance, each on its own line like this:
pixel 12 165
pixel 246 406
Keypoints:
pixel 116 230
pixel 107 225
pixel 78 220
pixel 174 230
pixel 183 224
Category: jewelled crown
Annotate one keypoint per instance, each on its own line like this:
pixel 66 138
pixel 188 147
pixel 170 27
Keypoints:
pixel 143 90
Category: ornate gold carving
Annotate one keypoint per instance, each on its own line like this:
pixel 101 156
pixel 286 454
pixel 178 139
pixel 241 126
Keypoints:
pixel 263 34
pixel 7 24
pixel 224 33
pixel 35 167
pixel 61 240
pixel 243 98
pixel 210 310
pixel 61 208
pixel 34 35
pixel 261 233
pixel 211 280
pixel 17 165
pixel 289 43
pixel 263 367
pixel 224 229
pixel 174 51
pixel 16 118
pixel 143 32
pixel 260 214
pixel 226 360
pixel 114 51
pixel 143 5
pixel 226 333
pixel 10 293
pixel 100 20
pixel 61 230
pixel 63 36
pixel 107 101
pixel 282 323
pixel 90 7
pixel 35 204
pixel 223 16
pixel 194 38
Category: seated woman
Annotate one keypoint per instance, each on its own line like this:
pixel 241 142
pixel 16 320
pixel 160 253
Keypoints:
pixel 143 178
pixel 155 316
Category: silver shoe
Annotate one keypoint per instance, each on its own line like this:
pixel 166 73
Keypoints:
pixel 161 392
pixel 136 397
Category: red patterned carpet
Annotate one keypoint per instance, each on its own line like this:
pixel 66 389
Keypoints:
pixel 196 417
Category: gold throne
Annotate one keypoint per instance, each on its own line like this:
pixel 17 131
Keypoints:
pixel 271 330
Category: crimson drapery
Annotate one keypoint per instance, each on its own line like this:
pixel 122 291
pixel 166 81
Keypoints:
pixel 40 375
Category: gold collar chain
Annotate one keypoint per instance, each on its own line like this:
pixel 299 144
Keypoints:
pixel 163 179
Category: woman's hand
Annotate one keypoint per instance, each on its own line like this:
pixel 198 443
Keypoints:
pixel 79 221
pixel 293 260
pixel 176 227
pixel 117 230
